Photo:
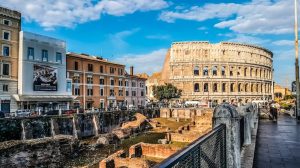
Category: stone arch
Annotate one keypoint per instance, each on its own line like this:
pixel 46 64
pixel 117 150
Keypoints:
pixel 205 71
pixel 196 87
pixel 196 71
pixel 232 87
pixel 205 87
pixel 214 70
pixel 215 87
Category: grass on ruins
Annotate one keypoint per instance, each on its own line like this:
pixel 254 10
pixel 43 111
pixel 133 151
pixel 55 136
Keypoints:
pixel 172 123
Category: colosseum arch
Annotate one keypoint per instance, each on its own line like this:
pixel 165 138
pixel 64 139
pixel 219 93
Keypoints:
pixel 253 70
pixel 196 87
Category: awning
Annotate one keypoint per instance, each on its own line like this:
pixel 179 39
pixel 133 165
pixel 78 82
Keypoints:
pixel 43 98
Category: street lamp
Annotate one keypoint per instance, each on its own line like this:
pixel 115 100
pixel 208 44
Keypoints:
pixel 296 61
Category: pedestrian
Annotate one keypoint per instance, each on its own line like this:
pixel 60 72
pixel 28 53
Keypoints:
pixel 274 112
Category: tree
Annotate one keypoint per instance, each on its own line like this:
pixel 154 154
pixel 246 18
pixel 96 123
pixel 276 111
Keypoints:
pixel 166 92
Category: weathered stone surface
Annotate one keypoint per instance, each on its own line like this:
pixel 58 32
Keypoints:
pixel 152 150
pixel 46 152
pixel 228 115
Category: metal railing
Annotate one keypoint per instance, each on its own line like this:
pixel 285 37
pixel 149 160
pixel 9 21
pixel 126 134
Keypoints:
pixel 208 151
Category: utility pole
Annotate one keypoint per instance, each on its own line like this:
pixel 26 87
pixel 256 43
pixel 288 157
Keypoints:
pixel 297 61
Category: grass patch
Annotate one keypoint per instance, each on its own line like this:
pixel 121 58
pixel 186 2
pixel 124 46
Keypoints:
pixel 172 123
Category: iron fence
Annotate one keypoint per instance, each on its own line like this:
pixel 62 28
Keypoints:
pixel 209 151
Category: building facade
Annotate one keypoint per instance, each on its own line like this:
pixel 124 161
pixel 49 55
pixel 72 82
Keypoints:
pixel 97 83
pixel 10 26
pixel 280 92
pixel 135 90
pixel 43 84
pixel 222 72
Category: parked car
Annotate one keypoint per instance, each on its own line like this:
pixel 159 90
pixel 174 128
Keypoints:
pixel 69 112
pixel 22 113
pixel 52 112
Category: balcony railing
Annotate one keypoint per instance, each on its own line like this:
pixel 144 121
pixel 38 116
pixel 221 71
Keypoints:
pixel 207 151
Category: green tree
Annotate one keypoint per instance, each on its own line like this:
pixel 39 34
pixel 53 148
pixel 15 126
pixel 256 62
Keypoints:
pixel 166 92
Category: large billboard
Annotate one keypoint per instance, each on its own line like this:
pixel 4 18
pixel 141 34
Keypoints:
pixel 44 78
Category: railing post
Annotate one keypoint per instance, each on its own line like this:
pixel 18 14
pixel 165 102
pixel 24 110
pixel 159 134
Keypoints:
pixel 246 111
pixel 228 115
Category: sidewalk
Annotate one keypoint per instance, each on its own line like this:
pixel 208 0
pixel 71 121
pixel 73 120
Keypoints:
pixel 278 145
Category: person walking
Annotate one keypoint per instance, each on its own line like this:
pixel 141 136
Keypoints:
pixel 274 112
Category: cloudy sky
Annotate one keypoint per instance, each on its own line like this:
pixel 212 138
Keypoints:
pixel 139 32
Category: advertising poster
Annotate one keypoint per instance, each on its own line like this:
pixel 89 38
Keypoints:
pixel 44 78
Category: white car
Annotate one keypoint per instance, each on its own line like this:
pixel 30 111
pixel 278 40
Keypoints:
pixel 22 113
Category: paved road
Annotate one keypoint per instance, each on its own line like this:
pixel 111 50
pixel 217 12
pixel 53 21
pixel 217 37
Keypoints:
pixel 278 144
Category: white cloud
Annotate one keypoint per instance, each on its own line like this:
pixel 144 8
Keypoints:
pixel 242 38
pixel 283 43
pixel 256 17
pixel 67 13
pixel 144 63
pixel 158 37
pixel 118 40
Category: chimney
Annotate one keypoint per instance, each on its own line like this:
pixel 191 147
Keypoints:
pixel 131 70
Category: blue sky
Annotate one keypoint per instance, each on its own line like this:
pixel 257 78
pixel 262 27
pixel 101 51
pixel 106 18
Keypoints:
pixel 139 32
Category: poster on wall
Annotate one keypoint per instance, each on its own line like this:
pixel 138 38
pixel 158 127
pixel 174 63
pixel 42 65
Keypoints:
pixel 44 78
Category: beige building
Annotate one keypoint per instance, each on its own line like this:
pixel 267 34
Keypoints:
pixel 225 71
pixel 10 26
pixel 280 92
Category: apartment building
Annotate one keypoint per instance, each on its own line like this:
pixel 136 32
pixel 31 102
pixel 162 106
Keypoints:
pixel 97 83
pixel 43 85
pixel 135 90
pixel 10 26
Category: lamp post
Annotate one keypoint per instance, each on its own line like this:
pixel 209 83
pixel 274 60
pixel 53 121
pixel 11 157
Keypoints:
pixel 296 61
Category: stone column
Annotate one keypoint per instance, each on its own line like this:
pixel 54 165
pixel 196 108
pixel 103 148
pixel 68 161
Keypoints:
pixel 228 115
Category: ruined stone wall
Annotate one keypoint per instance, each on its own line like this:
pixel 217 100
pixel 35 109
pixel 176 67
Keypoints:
pixel 47 152
pixel 183 113
pixel 152 150
pixel 78 125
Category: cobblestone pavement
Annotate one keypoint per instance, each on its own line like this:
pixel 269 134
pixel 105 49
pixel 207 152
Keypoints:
pixel 278 144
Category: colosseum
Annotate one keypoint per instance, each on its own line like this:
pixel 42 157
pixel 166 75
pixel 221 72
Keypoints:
pixel 222 72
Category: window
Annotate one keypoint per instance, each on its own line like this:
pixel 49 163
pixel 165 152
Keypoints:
pixel 127 93
pixel 111 92
pixel 76 65
pixel 205 71
pixel 246 87
pixel 133 93
pixel 215 89
pixel 44 55
pixel 205 87
pixel 196 71
pixel 5 88
pixel 232 87
pixel 214 71
pixel 101 92
pixel 101 69
pixel 251 72
pixel 120 92
pixel 101 81
pixel 6 35
pixel 126 83
pixel 30 53
pixel 142 93
pixel 120 83
pixel 112 82
pixel 224 87
pixel 112 70
pixel 120 71
pixel 58 57
pixel 89 80
pixel 77 91
pixel 5 50
pixel 223 71
pixel 239 87
pixel 245 72
pixel 5 69
pixel 90 67
pixel 133 84
pixel 196 87
pixel 256 72
pixel 231 71
pixel 76 79
pixel 7 22
pixel 90 92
